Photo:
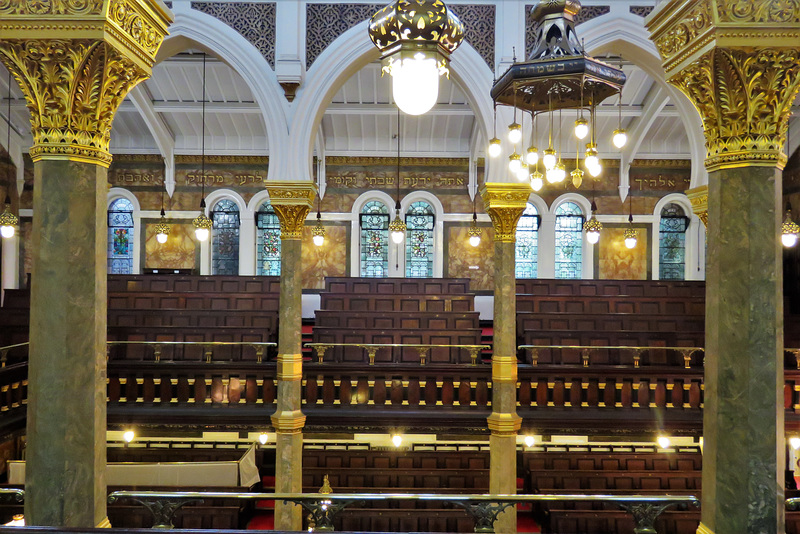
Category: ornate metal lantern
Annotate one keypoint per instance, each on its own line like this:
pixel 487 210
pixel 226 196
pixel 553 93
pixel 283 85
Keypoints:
pixel 416 38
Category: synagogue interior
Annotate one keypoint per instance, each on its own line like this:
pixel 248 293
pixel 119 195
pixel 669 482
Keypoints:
pixel 511 247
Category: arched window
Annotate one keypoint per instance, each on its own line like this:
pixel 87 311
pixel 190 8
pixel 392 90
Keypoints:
pixel 672 243
pixel 225 238
pixel 120 237
pixel 419 240
pixel 374 223
pixel 527 249
pixel 268 241
pixel 569 245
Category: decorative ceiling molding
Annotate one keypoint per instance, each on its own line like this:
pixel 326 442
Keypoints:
pixel 586 13
pixel 254 21
pixel 641 11
pixel 326 22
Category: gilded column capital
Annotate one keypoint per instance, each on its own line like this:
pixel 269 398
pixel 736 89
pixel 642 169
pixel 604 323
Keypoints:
pixel 505 202
pixel 739 64
pixel 699 199
pixel 292 201
pixel 75 60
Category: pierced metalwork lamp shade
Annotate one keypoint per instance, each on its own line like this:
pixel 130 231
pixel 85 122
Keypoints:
pixel 592 227
pixel 397 229
pixel 202 227
pixel 318 233
pixel 789 230
pixel 474 233
pixel 162 229
pixel 8 222
pixel 416 38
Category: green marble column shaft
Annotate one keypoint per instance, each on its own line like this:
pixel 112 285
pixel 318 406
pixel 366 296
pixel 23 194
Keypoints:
pixel 503 445
pixel 288 419
pixel 66 433
pixel 504 203
pixel 743 461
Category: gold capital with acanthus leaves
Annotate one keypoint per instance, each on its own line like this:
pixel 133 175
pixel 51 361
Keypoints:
pixel 292 201
pixel 75 61
pixel 505 202
pixel 698 196
pixel 739 63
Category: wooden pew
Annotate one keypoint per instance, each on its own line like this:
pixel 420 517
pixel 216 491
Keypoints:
pixel 381 320
pixel 396 302
pixel 392 286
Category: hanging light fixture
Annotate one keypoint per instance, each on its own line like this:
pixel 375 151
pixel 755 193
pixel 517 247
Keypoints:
pixel 8 221
pixel 532 156
pixel 318 232
pixel 397 228
pixel 202 224
pixel 474 232
pixel 577 173
pixel 630 233
pixel 789 229
pixel 620 137
pixel 415 40
pixel 581 124
pixel 529 85
pixel 162 228
pixel 495 148
pixel 592 227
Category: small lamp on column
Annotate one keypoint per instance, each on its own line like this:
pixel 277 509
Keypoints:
pixel 789 229
pixel 8 221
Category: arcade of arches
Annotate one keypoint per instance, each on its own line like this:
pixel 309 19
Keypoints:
pixel 277 116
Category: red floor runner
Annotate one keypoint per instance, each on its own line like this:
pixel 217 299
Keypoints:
pixel 262 521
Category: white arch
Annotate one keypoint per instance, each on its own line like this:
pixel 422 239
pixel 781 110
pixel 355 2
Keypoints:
pixel 355 231
pixel 538 203
pixel 227 44
pixel 219 194
pixel 344 57
pixel 690 259
pixel 258 199
pixel 115 193
pixel 582 202
pixel 626 34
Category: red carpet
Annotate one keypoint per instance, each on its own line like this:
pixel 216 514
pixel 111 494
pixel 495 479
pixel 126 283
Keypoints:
pixel 262 521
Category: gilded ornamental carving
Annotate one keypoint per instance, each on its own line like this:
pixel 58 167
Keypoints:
pixel 292 201
pixel 505 203
pixel 75 60
pixel 738 62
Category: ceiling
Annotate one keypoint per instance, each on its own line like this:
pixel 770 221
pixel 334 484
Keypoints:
pixel 360 121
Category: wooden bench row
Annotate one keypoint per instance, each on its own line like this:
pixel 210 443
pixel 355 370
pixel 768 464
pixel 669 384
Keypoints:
pixel 395 460
pixel 346 478
pixel 193 301
pixel 118 318
pixel 599 288
pixel 394 319
pixel 589 461
pixel 544 480
pixel 397 286
pixel 534 322
pixel 527 303
pixel 398 302
pixel 194 284
pixel 604 338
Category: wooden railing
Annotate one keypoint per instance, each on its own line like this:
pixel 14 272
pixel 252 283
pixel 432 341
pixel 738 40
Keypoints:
pixel 179 349
pixel 619 354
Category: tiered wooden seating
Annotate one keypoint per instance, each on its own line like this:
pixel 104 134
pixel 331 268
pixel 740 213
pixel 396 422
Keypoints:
pixel 612 313
pixel 399 472
pixel 194 309
pixel 397 311
pixel 611 473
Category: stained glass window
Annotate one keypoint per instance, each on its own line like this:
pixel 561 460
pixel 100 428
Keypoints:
pixel 569 242
pixel 527 248
pixel 374 223
pixel 419 240
pixel 268 241
pixel 120 237
pixel 225 238
pixel 672 243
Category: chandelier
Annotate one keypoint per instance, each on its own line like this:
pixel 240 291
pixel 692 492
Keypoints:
pixel 416 38
pixel 558 76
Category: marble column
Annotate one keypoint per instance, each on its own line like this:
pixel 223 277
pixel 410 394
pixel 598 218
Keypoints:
pixel 292 201
pixel 740 66
pixel 75 63
pixel 504 203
